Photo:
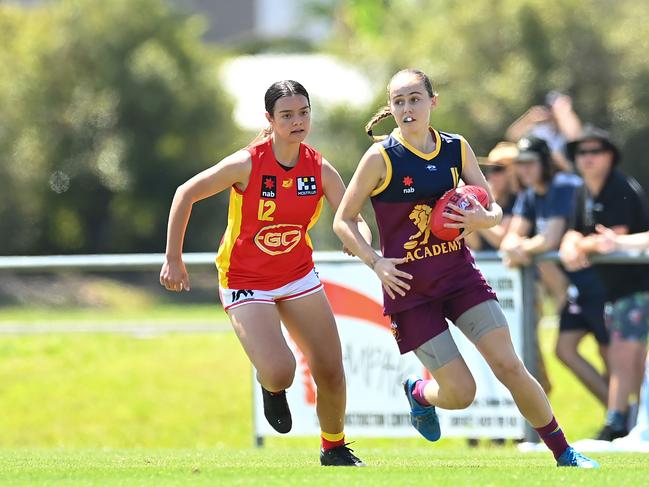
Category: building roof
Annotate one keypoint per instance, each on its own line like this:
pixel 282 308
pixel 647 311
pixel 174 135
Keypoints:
pixel 328 80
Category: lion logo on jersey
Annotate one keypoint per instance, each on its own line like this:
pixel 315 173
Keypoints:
pixel 420 216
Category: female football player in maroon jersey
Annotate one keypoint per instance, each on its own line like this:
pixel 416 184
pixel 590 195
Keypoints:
pixel 426 280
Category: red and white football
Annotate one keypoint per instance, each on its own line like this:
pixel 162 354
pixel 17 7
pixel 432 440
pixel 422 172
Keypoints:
pixel 460 197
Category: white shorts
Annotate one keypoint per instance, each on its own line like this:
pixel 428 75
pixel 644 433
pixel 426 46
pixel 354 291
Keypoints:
pixel 309 284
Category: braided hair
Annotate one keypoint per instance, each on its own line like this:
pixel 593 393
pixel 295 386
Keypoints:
pixel 384 112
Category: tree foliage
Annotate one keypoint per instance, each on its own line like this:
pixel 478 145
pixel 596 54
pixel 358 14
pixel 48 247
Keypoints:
pixel 491 60
pixel 106 108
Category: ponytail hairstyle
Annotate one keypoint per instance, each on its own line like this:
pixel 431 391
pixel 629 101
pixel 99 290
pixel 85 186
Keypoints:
pixel 277 90
pixel 385 112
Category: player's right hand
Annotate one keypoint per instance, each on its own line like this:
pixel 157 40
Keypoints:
pixel 390 276
pixel 173 275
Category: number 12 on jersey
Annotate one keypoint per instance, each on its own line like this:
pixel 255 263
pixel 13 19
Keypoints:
pixel 266 210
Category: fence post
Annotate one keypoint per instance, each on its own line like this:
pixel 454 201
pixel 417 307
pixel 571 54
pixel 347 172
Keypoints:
pixel 530 336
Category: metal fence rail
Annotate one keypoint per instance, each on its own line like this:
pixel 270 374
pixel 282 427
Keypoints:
pixel 121 262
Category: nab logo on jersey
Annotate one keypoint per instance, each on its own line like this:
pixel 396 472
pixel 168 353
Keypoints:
pixel 306 186
pixel 408 183
pixel 268 186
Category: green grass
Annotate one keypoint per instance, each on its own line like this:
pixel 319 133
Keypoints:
pixel 388 467
pixel 579 413
pixel 172 409
pixel 166 390
pixel 112 390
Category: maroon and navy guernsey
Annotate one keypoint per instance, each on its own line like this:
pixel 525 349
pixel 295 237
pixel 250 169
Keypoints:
pixel 403 204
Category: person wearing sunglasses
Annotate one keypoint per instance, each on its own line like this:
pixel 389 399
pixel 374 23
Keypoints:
pixel 614 200
pixel 541 216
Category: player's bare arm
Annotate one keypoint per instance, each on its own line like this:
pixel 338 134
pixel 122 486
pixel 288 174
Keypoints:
pixel 233 170
pixel 369 175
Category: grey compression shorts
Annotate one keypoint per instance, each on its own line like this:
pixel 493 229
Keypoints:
pixel 474 323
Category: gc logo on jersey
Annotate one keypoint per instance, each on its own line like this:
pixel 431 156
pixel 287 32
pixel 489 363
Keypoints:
pixel 268 186
pixel 278 239
pixel 306 186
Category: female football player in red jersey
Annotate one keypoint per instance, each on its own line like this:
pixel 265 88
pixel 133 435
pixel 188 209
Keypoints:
pixel 426 280
pixel 265 264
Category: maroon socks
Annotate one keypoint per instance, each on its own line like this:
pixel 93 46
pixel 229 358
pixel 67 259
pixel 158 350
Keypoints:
pixel 553 437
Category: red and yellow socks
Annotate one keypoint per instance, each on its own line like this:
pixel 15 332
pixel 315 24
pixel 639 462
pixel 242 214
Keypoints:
pixel 332 440
pixel 552 435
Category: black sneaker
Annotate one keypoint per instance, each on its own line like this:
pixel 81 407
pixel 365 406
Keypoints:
pixel 609 434
pixel 276 410
pixel 340 456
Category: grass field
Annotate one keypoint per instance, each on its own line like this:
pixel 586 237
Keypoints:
pixel 281 466
pixel 169 409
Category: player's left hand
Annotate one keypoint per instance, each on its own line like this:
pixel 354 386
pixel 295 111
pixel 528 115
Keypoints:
pixel 470 219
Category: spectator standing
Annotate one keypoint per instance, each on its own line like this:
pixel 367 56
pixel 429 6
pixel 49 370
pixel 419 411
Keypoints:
pixel 541 216
pixel 612 199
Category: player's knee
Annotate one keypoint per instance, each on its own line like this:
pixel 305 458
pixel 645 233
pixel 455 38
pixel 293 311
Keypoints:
pixel 465 398
pixel 330 376
pixel 279 377
pixel 462 395
pixel 509 370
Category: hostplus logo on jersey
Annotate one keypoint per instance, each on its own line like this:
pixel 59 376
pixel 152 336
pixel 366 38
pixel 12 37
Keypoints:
pixel 408 182
pixel 268 186
pixel 306 186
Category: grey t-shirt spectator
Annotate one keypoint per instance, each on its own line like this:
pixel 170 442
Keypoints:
pixel 557 201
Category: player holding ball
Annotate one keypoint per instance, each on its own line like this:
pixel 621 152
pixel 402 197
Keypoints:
pixel 427 280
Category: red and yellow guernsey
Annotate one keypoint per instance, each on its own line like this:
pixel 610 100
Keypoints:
pixel 266 244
